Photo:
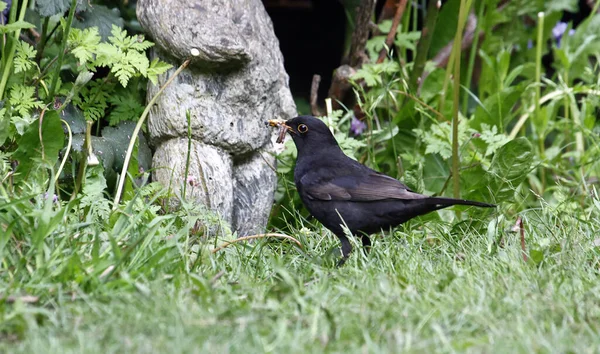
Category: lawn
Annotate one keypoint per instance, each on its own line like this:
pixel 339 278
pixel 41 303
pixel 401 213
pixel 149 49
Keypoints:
pixel 424 288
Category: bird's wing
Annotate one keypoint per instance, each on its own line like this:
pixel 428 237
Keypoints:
pixel 360 187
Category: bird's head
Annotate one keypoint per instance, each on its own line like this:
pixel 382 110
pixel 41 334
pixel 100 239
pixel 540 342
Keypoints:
pixel 310 133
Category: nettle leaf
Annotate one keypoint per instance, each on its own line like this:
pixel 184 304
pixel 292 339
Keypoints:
pixel 22 100
pixel 24 56
pixel 31 149
pixel 22 123
pixel 83 44
pixel 47 8
pixel 509 167
pixel 156 68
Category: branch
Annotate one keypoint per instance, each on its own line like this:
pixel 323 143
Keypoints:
pixel 257 236
pixel 389 40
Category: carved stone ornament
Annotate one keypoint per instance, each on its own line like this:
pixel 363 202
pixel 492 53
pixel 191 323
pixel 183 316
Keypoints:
pixel 235 81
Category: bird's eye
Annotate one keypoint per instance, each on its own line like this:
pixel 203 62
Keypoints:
pixel 302 128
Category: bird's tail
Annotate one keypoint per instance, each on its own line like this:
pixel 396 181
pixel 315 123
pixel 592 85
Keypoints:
pixel 442 202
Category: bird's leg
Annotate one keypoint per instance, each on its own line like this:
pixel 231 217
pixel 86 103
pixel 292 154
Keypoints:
pixel 346 249
pixel 366 242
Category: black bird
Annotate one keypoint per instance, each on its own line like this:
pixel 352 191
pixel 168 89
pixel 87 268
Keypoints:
pixel 338 190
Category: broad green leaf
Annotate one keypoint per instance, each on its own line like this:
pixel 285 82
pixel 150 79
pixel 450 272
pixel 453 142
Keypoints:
pixel 510 165
pixel 445 28
pixel 119 138
pixel 561 5
pixel 15 26
pixel 47 8
pixel 31 149
pixel 497 109
pixel 100 17
pixel 4 126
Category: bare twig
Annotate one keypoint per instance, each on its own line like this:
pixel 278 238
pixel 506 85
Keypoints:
pixel 314 95
pixel 226 244
pixel 217 277
pixel 389 40
pixel 26 299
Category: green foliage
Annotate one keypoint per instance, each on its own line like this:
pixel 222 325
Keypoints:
pixel 93 99
pixel 124 55
pixel 31 149
pixel 52 73
pixel 49 8
pixel 143 265
pixel 24 57
pixel 17 25
pixel 83 45
pixel 509 168
pixel 22 99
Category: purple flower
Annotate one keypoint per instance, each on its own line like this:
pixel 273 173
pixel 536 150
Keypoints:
pixel 191 180
pixel 54 197
pixel 6 11
pixel 357 127
pixel 559 30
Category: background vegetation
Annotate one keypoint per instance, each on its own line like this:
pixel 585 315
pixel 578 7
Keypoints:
pixel 513 116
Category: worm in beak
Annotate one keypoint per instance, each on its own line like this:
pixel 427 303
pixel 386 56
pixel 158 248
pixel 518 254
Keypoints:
pixel 283 128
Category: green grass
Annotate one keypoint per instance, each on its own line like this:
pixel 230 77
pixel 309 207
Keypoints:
pixel 426 288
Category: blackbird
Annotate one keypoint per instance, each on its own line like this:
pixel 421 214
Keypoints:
pixel 338 190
